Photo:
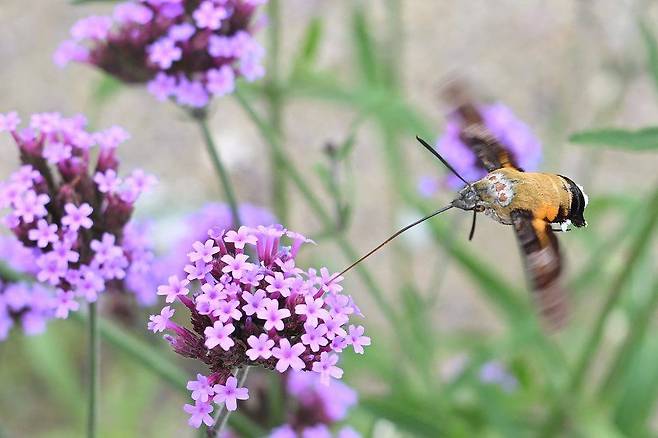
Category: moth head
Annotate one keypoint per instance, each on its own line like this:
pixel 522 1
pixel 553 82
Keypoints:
pixel 468 199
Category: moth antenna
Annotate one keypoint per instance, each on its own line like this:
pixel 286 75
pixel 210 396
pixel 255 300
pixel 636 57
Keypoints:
pixel 472 233
pixel 443 160
pixel 441 210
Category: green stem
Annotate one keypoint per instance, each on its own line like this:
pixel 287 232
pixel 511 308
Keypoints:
pixel 213 152
pixel 94 365
pixel 588 353
pixel 275 106
pixel 222 414
pixel 316 206
pixel 160 365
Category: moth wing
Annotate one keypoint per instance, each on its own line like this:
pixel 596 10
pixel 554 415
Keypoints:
pixel 491 153
pixel 542 261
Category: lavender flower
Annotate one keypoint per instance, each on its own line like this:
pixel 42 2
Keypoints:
pixel 502 123
pixel 76 234
pixel 187 50
pixel 243 293
pixel 496 373
pixel 29 305
pixel 318 407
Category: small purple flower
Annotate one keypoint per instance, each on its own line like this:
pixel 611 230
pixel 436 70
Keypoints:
pixel 273 316
pixel 255 302
pixel 209 15
pixel 51 268
pixel 203 251
pixel 315 336
pixel 57 152
pixel 31 206
pixel 201 388
pixel 65 303
pixel 132 12
pixel 312 309
pixel 220 82
pixel 219 334
pixel 77 217
pixel 228 310
pixel 199 413
pixel 44 234
pixel 240 238
pixel 327 367
pixel 89 285
pixel 181 32
pixel 288 356
pixel 162 86
pixel 174 289
pixel 230 393
pixel 236 265
pixel 197 271
pixel 496 373
pixel 93 28
pixel 159 323
pixel 107 181
pixel 261 346
pixel 164 53
pixel 9 121
pixel 356 339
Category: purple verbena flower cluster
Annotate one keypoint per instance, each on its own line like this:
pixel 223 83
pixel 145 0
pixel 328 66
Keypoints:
pixel 501 121
pixel 68 216
pixel 252 306
pixel 317 407
pixel 188 50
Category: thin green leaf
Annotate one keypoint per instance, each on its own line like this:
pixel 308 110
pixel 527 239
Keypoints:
pixel 55 366
pixel 105 89
pixel 636 405
pixel 407 413
pixel 638 140
pixel 629 349
pixel 309 46
pixel 364 46
pixel 652 52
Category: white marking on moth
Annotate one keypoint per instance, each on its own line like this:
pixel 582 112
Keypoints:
pixel 565 225
pixel 501 189
pixel 584 195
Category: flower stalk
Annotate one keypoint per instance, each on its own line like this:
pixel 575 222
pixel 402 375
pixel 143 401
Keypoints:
pixel 275 98
pixel 201 118
pixel 316 205
pixel 222 415
pixel 94 370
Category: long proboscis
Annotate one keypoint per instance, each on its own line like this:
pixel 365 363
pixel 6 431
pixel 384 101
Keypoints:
pixel 429 216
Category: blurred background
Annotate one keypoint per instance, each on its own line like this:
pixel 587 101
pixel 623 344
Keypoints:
pixel 466 357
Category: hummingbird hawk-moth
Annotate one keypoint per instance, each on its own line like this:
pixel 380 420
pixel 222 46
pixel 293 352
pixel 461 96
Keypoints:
pixel 531 202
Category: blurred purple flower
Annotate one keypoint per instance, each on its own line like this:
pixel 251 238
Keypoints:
pixel 67 231
pixel 502 123
pixel 30 305
pixel 318 406
pixel 236 320
pixel 186 50
pixel 496 373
